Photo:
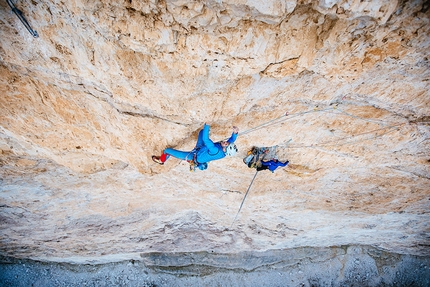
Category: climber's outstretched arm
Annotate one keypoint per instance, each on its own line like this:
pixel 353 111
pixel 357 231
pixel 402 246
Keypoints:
pixel 207 141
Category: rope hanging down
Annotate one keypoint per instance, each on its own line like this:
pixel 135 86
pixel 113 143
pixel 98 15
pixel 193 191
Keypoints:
pixel 21 17
pixel 387 129
pixel 246 194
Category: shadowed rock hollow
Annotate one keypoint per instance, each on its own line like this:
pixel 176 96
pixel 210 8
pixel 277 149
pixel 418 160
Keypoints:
pixel 109 83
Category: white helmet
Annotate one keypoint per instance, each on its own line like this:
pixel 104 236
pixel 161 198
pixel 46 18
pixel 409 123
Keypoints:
pixel 231 149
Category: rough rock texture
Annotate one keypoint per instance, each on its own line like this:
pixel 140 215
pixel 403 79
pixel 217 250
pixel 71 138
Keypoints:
pixel 109 83
pixel 304 267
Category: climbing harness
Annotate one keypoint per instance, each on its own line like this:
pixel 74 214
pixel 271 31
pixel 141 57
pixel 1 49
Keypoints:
pixel 257 154
pixel 246 194
pixel 194 165
pixel 252 160
pixel 21 17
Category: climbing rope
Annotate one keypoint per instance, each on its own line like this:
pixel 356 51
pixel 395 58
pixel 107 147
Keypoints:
pixel 22 18
pixel 246 194
pixel 335 142
pixel 282 118
pixel 332 109
pixel 387 128
pixel 287 116
pixel 360 118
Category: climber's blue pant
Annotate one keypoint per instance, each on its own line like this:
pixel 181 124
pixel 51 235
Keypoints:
pixel 185 155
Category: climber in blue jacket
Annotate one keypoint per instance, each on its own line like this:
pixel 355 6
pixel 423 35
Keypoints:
pixel 205 151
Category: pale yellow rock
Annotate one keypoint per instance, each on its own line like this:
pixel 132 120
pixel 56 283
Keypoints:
pixel 110 83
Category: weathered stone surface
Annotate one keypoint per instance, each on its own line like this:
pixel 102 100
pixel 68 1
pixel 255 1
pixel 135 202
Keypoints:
pixel 305 266
pixel 109 83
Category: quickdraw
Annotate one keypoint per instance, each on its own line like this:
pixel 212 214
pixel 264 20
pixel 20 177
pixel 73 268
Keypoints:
pixel 21 17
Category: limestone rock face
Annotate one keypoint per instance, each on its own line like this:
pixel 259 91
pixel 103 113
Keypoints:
pixel 341 87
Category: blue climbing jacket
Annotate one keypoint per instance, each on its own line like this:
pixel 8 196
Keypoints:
pixel 207 150
pixel 272 165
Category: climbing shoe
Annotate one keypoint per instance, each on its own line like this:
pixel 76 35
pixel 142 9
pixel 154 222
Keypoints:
pixel 157 159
